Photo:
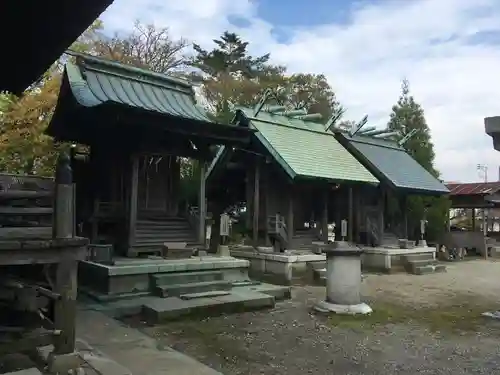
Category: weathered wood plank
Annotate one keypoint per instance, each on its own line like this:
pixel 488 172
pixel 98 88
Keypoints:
pixel 26 343
pixel 25 232
pixel 25 210
pixel 25 194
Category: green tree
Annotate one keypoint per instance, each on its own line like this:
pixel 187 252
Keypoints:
pixel 311 92
pixel 230 55
pixel 406 116
pixel 147 47
pixel 231 76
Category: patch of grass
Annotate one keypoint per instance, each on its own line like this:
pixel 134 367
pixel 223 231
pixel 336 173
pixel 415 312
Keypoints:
pixel 454 318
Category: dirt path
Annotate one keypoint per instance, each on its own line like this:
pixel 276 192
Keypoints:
pixel 412 330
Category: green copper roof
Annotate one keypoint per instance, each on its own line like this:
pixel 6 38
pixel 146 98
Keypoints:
pixel 390 162
pixel 304 149
pixel 95 81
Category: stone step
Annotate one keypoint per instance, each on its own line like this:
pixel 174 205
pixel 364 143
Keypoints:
pixel 318 265
pixel 160 279
pixel 172 308
pixel 421 256
pixel 421 262
pixel 425 270
pixel 176 290
pixel 216 293
pixel 161 239
pixel 245 283
pixel 28 371
pixel 279 292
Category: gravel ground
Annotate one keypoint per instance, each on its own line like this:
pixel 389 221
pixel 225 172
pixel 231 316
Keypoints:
pixel 421 325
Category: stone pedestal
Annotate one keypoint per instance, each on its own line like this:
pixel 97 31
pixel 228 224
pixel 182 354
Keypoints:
pixel 343 280
pixel 176 250
pixel 422 243
pixel 223 251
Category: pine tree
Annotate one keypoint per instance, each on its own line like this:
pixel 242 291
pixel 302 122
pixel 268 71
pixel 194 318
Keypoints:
pixel 229 56
pixel 407 115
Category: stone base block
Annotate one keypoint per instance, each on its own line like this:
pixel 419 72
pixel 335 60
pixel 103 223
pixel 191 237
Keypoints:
pixel 422 243
pixel 223 251
pixel 327 307
pixel 63 363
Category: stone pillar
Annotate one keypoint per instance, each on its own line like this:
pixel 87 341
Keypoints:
pixel 343 281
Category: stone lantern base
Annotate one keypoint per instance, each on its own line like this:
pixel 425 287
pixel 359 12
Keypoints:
pixel 327 307
pixel 343 281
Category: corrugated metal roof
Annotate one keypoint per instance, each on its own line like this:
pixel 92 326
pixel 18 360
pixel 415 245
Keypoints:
pixel 473 188
pixel 386 159
pixel 304 149
pixel 96 81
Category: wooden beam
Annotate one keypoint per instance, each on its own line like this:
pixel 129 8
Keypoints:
pixel 256 203
pixel 21 194
pixel 25 232
pixel 134 192
pixel 21 211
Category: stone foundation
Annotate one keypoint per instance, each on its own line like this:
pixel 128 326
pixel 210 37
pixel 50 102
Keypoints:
pixel 387 260
pixel 132 276
pixel 278 268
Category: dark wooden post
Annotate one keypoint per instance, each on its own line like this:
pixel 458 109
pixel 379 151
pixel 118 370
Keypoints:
pixel 249 198
pixel 324 216
pixel 64 216
pixel 381 213
pixel 404 211
pixel 256 201
pixel 202 209
pixel 66 273
pixel 351 216
pixel 134 190
pixel 289 221
pixel 267 202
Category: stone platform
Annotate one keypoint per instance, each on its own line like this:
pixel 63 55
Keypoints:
pixel 161 289
pixel 134 277
pixel 278 268
pixel 418 260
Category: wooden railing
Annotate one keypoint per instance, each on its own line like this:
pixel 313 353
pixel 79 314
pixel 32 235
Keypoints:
pixel 373 230
pixel 26 206
pixel 276 227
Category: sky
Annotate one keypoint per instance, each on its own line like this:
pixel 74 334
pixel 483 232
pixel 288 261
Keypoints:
pixel 449 50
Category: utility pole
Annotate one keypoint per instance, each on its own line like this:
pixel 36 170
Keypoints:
pixel 483 169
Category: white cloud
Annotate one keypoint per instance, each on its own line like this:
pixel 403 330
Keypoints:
pixel 426 41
